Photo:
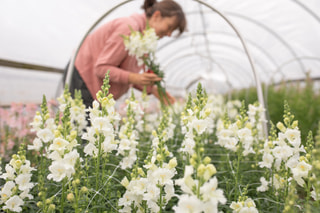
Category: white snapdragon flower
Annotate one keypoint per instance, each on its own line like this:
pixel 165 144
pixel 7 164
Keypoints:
pixel 153 206
pixel 236 206
pixel 264 185
pixel 6 191
pixel 138 186
pixel 55 156
pixel 14 204
pixel 188 145
pixel 45 135
pixel 128 161
pixel 244 133
pixel 293 136
pixel 37 122
pixel 109 144
pixel 278 182
pixel 9 174
pixel 71 157
pixel 37 144
pixel 152 193
pixel 26 194
pixel 126 199
pixel 301 171
pixel 23 181
pixel 199 125
pixel 161 176
pixel 186 183
pixel 91 150
pixel 102 124
pixel 59 145
pixel 282 152
pixel 59 170
pixel 267 160
pixel 231 144
pixel 210 191
pixel 169 191
pixel 188 204
pixel 248 206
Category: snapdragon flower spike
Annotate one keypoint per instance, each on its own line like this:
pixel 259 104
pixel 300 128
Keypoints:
pixel 283 153
pixel 17 186
pixel 44 126
pixel 78 120
pixel 128 135
pixel 156 188
pixel 199 186
pixel 63 151
pixel 101 134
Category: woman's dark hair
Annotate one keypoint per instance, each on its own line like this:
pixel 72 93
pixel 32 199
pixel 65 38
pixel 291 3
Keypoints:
pixel 167 8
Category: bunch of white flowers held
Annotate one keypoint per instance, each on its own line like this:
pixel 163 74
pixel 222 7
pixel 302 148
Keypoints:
pixel 18 183
pixel 140 44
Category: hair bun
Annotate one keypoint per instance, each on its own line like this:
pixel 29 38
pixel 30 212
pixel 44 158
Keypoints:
pixel 148 4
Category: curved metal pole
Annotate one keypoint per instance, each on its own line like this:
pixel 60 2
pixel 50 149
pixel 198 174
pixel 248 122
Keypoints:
pixel 258 84
pixel 71 64
pixel 283 41
pixel 261 25
pixel 307 9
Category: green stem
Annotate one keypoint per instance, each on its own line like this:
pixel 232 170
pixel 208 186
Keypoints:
pixel 63 194
pixel 160 199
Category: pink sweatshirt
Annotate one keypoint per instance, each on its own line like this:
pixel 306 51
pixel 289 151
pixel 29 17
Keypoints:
pixel 104 50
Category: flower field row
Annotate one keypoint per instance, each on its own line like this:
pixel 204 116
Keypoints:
pixel 204 155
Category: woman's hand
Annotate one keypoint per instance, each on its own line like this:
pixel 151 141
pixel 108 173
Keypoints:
pixel 144 79
pixel 171 99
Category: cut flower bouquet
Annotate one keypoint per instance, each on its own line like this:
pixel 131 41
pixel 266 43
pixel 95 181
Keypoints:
pixel 142 45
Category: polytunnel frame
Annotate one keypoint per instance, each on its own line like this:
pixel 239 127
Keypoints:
pixel 256 77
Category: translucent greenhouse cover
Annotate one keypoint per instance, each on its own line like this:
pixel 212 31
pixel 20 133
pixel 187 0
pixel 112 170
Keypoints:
pixel 279 37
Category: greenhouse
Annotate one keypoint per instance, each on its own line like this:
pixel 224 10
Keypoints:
pixel 177 106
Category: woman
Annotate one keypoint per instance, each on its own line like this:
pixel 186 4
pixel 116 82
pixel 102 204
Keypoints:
pixel 104 50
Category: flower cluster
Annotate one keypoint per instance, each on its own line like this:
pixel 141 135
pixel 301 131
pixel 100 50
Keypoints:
pixel 128 135
pixel 103 116
pixel 140 44
pixel 154 189
pixel 241 134
pixel 200 188
pixel 78 120
pixel 246 205
pixel 143 45
pixel 283 154
pixel 18 183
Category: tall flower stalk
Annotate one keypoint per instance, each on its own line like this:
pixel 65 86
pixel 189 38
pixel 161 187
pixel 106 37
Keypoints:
pixel 199 187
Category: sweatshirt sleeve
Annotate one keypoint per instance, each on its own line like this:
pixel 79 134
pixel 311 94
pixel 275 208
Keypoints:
pixel 110 58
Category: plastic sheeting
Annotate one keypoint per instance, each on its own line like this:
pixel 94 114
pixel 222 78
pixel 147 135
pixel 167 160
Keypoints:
pixel 282 37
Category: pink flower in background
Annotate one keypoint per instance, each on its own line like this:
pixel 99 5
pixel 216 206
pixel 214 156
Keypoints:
pixel 15 126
